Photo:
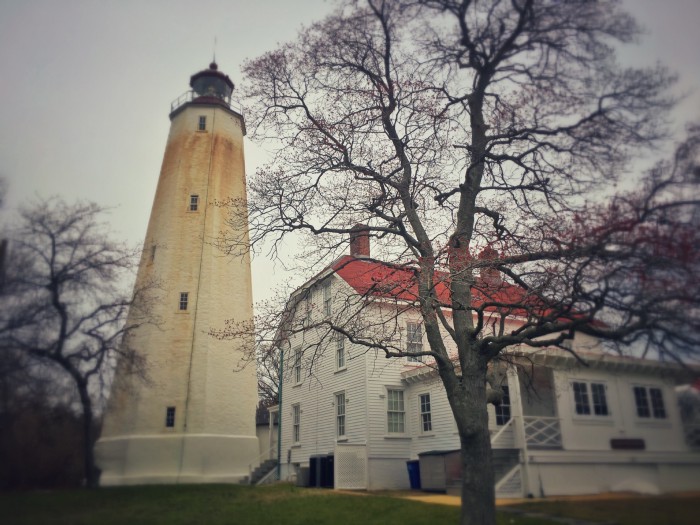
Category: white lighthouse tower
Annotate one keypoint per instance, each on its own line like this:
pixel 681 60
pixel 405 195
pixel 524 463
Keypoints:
pixel 194 420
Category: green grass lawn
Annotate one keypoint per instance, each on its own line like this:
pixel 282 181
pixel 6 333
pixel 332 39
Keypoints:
pixel 223 504
pixel 651 510
pixel 289 505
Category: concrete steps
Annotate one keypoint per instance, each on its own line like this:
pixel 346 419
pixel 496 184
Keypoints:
pixel 504 459
pixel 260 472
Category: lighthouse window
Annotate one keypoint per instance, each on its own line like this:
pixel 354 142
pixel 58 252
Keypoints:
pixel 194 202
pixel 202 123
pixel 170 417
pixel 183 300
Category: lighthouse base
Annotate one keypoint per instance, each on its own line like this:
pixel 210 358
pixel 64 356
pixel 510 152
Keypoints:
pixel 176 459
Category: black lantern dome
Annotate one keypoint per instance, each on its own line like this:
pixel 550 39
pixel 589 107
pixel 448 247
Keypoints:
pixel 211 83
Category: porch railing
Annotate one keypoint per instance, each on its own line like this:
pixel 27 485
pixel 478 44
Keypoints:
pixel 542 432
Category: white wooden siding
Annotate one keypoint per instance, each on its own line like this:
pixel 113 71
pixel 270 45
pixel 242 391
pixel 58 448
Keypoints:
pixel 316 392
pixel 444 435
pixel 595 432
pixel 369 374
pixel 383 374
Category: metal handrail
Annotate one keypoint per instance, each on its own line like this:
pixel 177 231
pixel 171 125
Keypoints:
pixel 267 476
pixel 495 437
pixel 507 476
pixel 189 96
pixel 266 455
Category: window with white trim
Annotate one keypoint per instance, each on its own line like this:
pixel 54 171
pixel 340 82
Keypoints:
pixel 590 399
pixel 297 366
pixel 426 421
pixel 340 414
pixel 327 303
pixel 340 352
pixel 414 341
pixel 503 408
pixel 184 300
pixel 395 414
pixel 649 402
pixel 296 423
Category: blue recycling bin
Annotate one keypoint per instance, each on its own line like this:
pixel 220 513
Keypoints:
pixel 414 474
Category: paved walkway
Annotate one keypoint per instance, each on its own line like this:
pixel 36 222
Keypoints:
pixel 510 505
pixel 444 499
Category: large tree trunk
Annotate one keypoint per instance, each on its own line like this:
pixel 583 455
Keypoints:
pixel 478 490
pixel 92 474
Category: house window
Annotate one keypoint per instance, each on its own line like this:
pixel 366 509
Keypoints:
pixel 184 296
pixel 194 202
pixel 649 402
pixel 590 394
pixel 170 417
pixel 395 412
pixel 583 406
pixel 340 414
pixel 426 422
pixel 600 403
pixel 340 352
pixel 297 366
pixel 642 401
pixel 414 341
pixel 296 423
pixel 306 312
pixel 327 298
pixel 202 123
pixel 657 403
pixel 503 408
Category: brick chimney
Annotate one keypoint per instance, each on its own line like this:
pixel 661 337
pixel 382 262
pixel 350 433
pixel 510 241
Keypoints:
pixel 359 241
pixel 489 275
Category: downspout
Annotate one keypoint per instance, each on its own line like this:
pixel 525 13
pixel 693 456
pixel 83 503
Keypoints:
pixel 279 417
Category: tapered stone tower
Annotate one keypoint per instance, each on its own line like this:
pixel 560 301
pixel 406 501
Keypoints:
pixel 194 420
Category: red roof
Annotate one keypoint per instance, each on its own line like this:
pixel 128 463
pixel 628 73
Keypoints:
pixel 378 279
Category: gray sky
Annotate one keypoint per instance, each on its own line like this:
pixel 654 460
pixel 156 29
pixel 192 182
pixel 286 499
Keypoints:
pixel 86 86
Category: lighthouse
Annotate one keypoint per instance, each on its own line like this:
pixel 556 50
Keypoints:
pixel 193 419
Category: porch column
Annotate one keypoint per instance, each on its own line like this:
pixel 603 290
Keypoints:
pixel 519 427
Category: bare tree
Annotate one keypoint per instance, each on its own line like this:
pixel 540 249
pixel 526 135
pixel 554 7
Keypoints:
pixel 39 429
pixel 265 354
pixel 454 127
pixel 268 367
pixel 65 298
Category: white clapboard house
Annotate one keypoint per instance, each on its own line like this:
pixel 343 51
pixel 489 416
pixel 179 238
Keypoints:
pixel 356 418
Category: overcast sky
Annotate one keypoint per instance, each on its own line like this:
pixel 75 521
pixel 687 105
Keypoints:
pixel 86 86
